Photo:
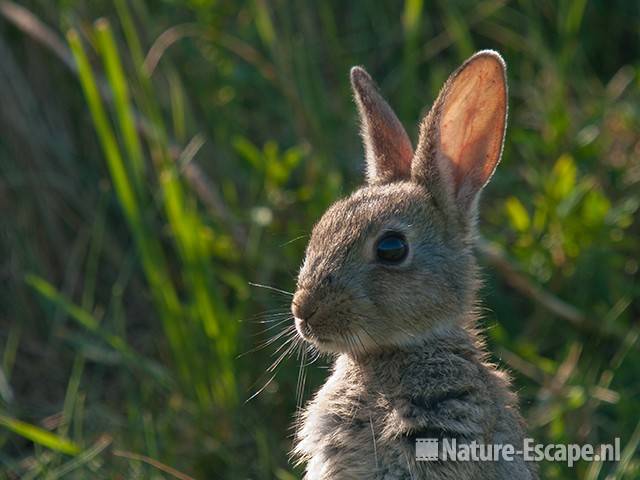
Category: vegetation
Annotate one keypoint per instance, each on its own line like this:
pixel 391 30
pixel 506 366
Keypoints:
pixel 160 160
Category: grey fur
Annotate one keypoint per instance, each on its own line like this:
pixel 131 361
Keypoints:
pixel 387 146
pixel 409 362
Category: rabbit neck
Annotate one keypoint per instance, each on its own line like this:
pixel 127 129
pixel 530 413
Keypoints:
pixel 458 338
pixel 456 332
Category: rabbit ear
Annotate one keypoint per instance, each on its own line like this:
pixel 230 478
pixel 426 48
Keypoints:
pixel 386 143
pixel 461 137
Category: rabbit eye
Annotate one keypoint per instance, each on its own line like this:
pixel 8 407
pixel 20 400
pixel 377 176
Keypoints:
pixel 392 248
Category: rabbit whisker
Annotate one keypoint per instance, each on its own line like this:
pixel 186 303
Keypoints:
pixel 299 237
pixel 292 336
pixel 266 343
pixel 293 341
pixel 275 325
pixel 273 289
pixel 261 389
pixel 302 378
pixel 273 317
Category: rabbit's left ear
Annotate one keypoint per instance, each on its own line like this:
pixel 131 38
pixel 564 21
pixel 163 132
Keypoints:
pixel 386 143
pixel 461 138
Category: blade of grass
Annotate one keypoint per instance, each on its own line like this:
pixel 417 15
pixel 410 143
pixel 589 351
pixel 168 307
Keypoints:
pixel 458 29
pixel 154 463
pixel 71 396
pixel 93 256
pixel 109 144
pixel 625 464
pixel 87 320
pixel 187 227
pixel 178 106
pixel 411 22
pixel 145 99
pixel 153 262
pixel 204 373
pixel 118 84
pixel 82 458
pixel 40 436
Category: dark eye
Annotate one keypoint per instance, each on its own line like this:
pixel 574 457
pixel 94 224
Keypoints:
pixel 392 248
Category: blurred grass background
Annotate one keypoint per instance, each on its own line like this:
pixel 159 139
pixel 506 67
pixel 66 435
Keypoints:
pixel 159 158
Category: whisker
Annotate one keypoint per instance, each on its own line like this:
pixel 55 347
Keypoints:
pixel 261 390
pixel 317 354
pixel 300 237
pixel 287 330
pixel 266 343
pixel 301 379
pixel 364 349
pixel 292 341
pixel 350 343
pixel 373 339
pixel 279 318
pixel 268 314
pixel 271 327
pixel 283 355
pixel 273 289
pixel 359 341
pixel 292 336
pixel 399 327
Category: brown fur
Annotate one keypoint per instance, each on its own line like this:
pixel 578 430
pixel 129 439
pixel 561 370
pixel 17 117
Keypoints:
pixel 409 363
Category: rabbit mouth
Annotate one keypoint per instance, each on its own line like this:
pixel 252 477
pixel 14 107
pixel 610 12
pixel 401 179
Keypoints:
pixel 324 344
pixel 321 342
pixel 345 343
pixel 304 330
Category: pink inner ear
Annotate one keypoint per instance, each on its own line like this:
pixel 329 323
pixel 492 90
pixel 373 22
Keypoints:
pixel 472 123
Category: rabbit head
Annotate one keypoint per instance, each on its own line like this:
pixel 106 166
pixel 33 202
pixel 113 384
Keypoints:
pixel 394 260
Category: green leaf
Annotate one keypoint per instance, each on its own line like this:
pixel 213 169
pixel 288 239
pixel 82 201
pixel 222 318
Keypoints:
pixel 124 111
pixel 107 137
pixel 518 215
pixel 264 25
pixel 49 292
pixel 249 152
pixel 595 208
pixel 40 436
pixel 412 15
pixel 563 177
pixel 88 321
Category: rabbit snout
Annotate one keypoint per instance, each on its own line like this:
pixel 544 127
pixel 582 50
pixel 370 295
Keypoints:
pixel 302 307
pixel 313 311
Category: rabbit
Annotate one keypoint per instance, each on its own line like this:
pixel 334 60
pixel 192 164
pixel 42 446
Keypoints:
pixel 388 288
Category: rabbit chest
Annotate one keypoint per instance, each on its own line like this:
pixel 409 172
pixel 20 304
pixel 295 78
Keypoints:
pixel 367 416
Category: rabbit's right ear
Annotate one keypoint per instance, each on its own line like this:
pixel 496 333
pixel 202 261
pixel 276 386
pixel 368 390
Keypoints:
pixel 461 138
pixel 386 143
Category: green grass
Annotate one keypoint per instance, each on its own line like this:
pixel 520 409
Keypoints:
pixel 187 158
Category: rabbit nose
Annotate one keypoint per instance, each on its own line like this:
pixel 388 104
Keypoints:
pixel 301 306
